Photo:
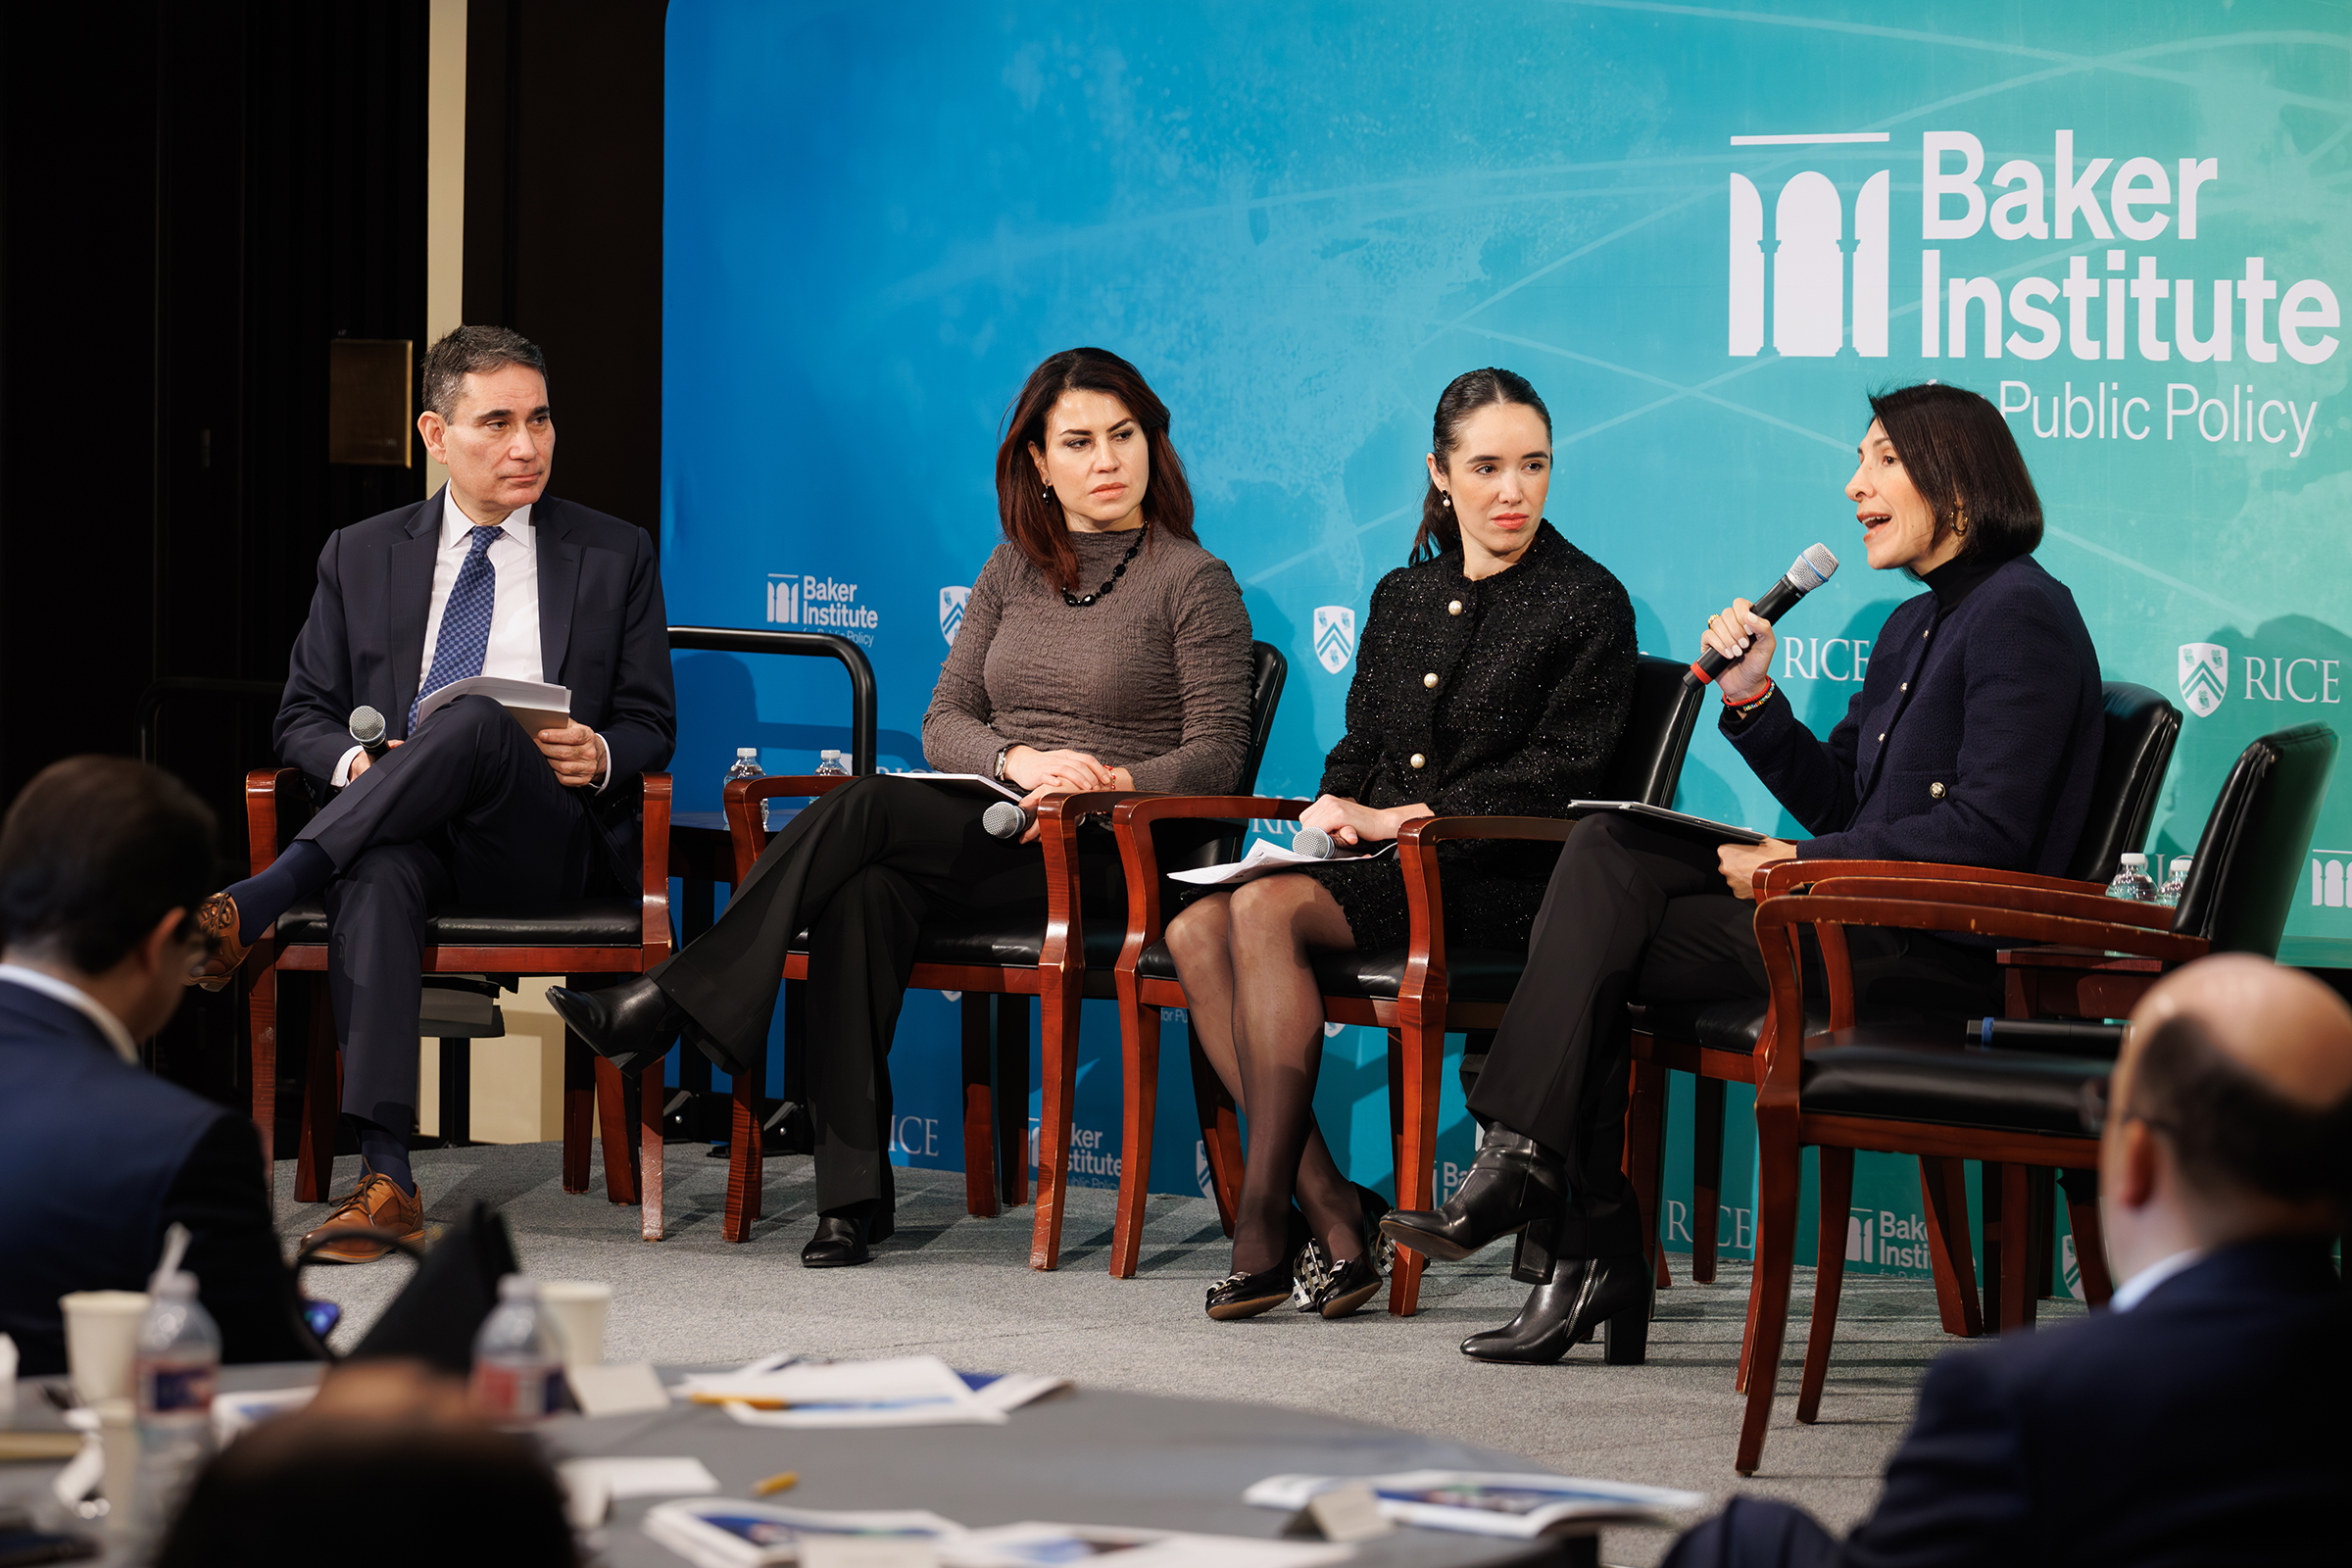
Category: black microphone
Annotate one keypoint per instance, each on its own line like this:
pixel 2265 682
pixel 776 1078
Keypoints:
pixel 367 728
pixel 1005 820
pixel 1812 569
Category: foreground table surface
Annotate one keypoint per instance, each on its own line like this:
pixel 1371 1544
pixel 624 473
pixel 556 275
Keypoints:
pixel 1090 1456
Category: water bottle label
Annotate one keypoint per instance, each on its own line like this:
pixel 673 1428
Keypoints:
pixel 168 1387
pixel 514 1394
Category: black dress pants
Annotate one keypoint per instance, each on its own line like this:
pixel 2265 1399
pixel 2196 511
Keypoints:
pixel 861 869
pixel 468 812
pixel 1634 913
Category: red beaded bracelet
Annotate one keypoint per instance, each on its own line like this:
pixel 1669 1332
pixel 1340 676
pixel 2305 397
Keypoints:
pixel 1741 710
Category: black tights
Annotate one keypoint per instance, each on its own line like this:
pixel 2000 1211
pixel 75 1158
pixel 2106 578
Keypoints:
pixel 1257 1015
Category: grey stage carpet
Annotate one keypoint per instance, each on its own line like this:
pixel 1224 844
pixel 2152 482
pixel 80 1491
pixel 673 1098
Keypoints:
pixel 960 1288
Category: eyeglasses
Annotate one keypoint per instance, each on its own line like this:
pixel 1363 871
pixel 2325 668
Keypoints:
pixel 2093 1106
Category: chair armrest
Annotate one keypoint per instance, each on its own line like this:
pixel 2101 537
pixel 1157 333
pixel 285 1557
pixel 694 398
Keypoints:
pixel 746 820
pixel 1777 919
pixel 1785 876
pixel 1139 858
pixel 654 830
pixel 1057 819
pixel 1417 843
pixel 265 789
pixel 1962 899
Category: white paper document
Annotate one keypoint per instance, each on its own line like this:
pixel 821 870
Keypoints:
pixel 1264 858
pixel 1487 1503
pixel 1045 1545
pixel 535 704
pixel 725 1532
pixel 978 783
pixel 908 1390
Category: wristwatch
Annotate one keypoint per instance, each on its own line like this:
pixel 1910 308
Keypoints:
pixel 1002 752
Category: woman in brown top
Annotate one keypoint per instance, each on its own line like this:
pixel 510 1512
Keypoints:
pixel 1494 678
pixel 1101 649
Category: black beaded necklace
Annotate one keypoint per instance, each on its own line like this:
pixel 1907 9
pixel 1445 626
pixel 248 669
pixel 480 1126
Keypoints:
pixel 1076 602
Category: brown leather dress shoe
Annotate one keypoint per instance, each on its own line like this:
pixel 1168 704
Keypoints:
pixel 377 1203
pixel 217 918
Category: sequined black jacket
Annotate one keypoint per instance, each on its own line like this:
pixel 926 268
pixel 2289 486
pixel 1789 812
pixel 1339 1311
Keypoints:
pixel 1506 696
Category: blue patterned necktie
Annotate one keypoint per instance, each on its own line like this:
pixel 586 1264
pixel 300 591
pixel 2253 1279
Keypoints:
pixel 464 639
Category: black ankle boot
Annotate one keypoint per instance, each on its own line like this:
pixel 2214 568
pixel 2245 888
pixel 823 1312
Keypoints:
pixel 629 1025
pixel 1513 1186
pixel 1611 1292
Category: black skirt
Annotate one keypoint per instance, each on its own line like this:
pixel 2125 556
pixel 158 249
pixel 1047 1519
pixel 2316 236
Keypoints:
pixel 1484 907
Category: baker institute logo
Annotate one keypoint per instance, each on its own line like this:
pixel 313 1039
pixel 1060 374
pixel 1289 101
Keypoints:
pixel 951 612
pixel 1810 266
pixel 2204 676
pixel 1335 636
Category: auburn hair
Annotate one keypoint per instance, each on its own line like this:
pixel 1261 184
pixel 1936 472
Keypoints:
pixel 1031 519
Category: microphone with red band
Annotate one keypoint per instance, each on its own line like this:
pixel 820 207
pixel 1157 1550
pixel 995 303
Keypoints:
pixel 1812 569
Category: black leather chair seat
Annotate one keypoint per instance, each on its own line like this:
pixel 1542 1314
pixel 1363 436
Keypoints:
pixel 612 922
pixel 1893 1073
pixel 1012 941
pixel 1472 974
pixel 1734 1025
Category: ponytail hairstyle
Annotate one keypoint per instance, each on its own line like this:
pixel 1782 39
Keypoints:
pixel 1464 395
pixel 1033 520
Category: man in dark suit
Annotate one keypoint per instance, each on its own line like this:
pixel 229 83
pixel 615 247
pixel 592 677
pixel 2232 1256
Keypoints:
pixel 101 860
pixel 490 577
pixel 2201 1419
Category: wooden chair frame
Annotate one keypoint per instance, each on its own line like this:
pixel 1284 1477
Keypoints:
pixel 1784 1127
pixel 991 1115
pixel 1418 1018
pixel 592 1086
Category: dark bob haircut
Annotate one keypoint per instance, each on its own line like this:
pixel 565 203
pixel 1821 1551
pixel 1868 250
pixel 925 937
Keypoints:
pixel 1464 395
pixel 1965 464
pixel 93 853
pixel 1031 519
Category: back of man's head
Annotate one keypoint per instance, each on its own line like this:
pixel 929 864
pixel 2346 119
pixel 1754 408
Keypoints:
pixel 2244 1069
pixel 93 853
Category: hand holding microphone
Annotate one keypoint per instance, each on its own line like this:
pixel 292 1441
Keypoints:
pixel 367 727
pixel 1742 635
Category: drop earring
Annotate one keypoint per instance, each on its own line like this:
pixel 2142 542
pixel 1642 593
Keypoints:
pixel 1446 499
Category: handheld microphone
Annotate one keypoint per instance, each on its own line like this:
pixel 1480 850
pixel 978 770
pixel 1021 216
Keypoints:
pixel 1005 820
pixel 1315 841
pixel 367 728
pixel 1812 569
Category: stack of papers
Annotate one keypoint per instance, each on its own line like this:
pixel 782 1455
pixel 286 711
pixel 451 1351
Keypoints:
pixel 1264 858
pixel 907 1391
pixel 717 1533
pixel 1487 1502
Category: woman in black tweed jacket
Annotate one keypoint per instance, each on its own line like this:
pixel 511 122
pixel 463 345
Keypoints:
pixel 1493 677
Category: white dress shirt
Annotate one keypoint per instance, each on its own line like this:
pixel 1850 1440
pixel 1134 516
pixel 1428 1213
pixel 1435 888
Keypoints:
pixel 82 1002
pixel 514 651
pixel 2134 1290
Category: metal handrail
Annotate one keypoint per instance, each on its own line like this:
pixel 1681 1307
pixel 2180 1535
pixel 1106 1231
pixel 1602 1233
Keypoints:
pixel 152 699
pixel 808 645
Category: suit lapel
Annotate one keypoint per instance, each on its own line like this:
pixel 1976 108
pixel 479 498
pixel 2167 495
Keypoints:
pixel 409 603
pixel 559 583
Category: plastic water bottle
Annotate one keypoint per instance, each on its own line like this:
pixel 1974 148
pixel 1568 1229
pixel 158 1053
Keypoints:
pixel 174 1370
pixel 2175 881
pixel 516 1365
pixel 2132 880
pixel 746 764
pixel 829 763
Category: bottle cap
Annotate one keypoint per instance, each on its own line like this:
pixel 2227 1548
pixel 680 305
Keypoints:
pixel 2182 862
pixel 747 751
pixel 830 755
pixel 2131 858
pixel 518 1288
pixel 177 1286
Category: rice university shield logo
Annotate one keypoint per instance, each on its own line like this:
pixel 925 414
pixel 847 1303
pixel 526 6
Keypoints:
pixel 2204 676
pixel 1809 270
pixel 951 612
pixel 1335 636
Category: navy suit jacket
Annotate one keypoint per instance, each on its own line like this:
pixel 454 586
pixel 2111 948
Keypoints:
pixel 1976 746
pixel 2206 1425
pixel 602 632
pixel 97 1158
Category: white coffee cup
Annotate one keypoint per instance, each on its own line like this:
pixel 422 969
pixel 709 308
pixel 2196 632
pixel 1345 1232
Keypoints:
pixel 578 1310
pixel 102 1338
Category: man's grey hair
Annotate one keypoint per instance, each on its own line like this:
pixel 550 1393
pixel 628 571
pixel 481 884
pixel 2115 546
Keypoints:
pixel 473 351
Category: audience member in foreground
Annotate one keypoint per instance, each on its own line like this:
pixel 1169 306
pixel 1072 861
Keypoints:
pixel 385 1469
pixel 103 861
pixel 2200 1419
pixel 1103 649
pixel 492 577
pixel 1493 678
pixel 1974 741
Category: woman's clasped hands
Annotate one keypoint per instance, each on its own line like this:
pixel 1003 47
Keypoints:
pixel 1062 773
pixel 1351 823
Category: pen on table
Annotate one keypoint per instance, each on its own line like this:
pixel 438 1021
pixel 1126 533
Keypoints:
pixel 782 1481
pixel 756 1402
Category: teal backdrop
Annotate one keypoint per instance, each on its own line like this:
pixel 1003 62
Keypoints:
pixel 1704 233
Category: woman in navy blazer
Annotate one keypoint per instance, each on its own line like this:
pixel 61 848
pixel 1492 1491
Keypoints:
pixel 1974 741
